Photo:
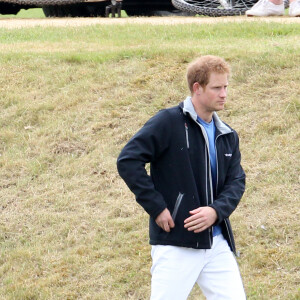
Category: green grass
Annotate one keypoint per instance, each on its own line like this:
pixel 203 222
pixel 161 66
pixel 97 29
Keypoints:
pixel 32 13
pixel 70 99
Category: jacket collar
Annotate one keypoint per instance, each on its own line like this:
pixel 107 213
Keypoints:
pixel 188 108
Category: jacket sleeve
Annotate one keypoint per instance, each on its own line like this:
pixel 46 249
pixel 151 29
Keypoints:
pixel 229 197
pixel 147 145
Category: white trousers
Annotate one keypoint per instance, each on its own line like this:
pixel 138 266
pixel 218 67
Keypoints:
pixel 175 270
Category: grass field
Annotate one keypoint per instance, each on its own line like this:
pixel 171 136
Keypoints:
pixel 71 98
pixel 26 14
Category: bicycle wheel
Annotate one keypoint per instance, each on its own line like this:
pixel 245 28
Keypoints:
pixel 215 8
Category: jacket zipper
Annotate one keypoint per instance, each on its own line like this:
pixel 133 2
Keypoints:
pixel 216 150
pixel 177 204
pixel 210 235
pixel 187 135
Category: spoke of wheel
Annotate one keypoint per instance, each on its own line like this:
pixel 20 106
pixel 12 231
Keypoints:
pixel 214 7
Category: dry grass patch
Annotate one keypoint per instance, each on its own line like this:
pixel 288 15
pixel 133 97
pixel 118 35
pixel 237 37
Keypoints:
pixel 69 228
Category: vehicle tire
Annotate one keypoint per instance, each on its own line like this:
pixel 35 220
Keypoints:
pixel 75 10
pixel 214 8
pixel 9 8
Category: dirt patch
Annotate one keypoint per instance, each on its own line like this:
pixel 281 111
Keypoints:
pixel 73 22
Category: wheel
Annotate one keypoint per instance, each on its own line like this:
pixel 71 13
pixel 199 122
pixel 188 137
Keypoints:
pixel 9 8
pixel 75 10
pixel 214 8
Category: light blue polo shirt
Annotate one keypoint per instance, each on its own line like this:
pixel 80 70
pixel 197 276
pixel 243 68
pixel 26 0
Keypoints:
pixel 210 129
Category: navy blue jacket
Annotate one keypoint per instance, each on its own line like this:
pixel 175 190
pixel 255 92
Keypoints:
pixel 176 146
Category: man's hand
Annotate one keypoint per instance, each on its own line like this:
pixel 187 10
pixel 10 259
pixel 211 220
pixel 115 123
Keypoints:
pixel 201 219
pixel 165 221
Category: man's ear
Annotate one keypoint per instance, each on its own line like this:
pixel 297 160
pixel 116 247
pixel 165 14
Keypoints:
pixel 197 88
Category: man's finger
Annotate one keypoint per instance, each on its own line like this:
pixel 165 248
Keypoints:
pixel 198 227
pixel 166 227
pixel 171 223
pixel 190 219
pixel 194 217
pixel 164 220
pixel 195 211
pixel 190 222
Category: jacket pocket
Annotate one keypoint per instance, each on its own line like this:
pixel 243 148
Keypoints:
pixel 228 235
pixel 177 204
pixel 187 136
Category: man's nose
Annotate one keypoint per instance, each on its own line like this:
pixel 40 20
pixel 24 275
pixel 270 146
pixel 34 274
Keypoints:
pixel 223 93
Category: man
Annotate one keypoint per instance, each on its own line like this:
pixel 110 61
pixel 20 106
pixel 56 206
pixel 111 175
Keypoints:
pixel 196 183
pixel 266 8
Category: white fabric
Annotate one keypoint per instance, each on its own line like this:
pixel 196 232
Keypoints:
pixel 294 10
pixel 175 270
pixel 264 8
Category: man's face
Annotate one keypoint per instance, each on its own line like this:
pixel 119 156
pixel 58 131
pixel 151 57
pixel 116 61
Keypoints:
pixel 213 96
